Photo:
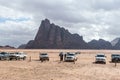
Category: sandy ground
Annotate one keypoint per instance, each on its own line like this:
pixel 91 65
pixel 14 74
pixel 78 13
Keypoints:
pixel 83 69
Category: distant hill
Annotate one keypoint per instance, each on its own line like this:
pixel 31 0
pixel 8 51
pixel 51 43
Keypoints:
pixel 100 44
pixel 7 47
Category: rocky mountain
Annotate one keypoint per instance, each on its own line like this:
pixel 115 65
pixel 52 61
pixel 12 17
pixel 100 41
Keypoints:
pixel 100 44
pixel 51 36
pixel 22 46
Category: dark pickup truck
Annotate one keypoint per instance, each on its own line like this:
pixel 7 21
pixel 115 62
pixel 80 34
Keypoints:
pixel 115 57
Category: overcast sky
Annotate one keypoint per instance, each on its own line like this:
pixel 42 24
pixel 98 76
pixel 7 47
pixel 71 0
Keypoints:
pixel 93 19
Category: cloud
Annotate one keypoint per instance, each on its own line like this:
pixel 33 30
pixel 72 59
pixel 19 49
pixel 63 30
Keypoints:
pixel 17 33
pixel 92 19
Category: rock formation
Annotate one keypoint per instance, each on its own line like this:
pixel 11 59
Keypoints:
pixel 100 44
pixel 51 36
pixel 22 46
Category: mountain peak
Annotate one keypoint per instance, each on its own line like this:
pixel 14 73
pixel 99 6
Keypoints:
pixel 51 36
pixel 47 20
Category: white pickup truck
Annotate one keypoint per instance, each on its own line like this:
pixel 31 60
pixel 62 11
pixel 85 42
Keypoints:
pixel 100 58
pixel 17 56
pixel 70 57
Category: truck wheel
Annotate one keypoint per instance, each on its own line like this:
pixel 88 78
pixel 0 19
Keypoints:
pixel 24 58
pixel 41 60
pixel 10 58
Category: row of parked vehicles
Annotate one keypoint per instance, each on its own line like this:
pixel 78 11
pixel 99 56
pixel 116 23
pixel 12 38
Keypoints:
pixel 12 56
pixel 101 58
pixel 67 56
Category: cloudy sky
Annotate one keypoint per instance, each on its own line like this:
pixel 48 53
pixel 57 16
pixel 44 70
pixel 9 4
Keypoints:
pixel 93 19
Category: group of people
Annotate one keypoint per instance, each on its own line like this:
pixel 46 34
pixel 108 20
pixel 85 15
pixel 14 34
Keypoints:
pixel 62 56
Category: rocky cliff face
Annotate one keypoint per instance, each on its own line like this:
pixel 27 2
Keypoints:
pixel 51 36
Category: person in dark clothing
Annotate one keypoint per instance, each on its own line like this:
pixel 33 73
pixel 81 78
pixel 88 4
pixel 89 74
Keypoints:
pixel 61 56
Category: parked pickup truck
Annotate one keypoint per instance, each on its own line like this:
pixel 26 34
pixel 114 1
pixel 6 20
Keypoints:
pixel 17 56
pixel 70 57
pixel 21 55
pixel 100 58
pixel 4 56
pixel 115 57
pixel 43 57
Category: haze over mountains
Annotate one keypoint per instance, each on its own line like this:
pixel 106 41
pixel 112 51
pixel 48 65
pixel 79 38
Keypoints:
pixel 51 36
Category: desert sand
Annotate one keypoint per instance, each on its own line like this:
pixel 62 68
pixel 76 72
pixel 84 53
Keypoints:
pixel 83 69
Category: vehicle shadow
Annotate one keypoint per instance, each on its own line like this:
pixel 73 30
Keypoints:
pixel 114 62
pixel 97 63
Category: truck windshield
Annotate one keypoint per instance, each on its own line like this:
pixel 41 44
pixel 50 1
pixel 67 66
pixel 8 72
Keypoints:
pixel 43 54
pixel 115 55
pixel 100 56
pixel 71 54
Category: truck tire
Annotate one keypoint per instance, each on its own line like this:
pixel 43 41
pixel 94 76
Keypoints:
pixel 104 62
pixel 24 58
pixel 17 58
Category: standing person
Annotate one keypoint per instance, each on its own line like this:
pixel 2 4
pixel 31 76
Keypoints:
pixel 61 56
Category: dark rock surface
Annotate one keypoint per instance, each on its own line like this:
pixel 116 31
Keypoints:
pixel 100 44
pixel 22 46
pixel 51 36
